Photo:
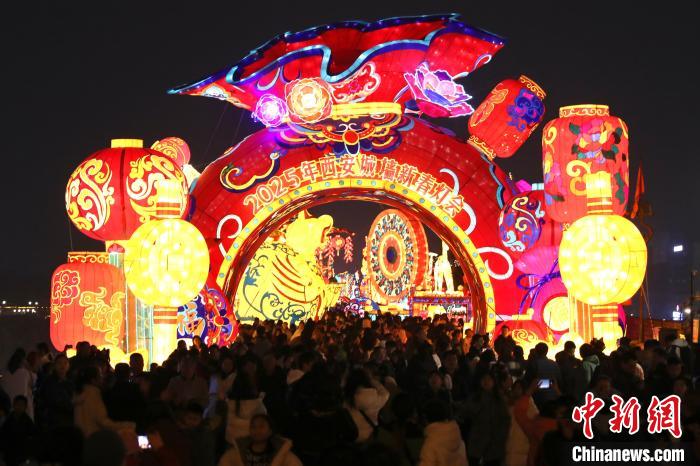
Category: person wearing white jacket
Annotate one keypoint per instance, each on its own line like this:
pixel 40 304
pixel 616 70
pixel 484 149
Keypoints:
pixel 443 445
pixel 244 402
pixel 364 398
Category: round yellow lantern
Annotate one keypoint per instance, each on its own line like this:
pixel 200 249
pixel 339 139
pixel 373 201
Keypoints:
pixel 602 257
pixel 166 262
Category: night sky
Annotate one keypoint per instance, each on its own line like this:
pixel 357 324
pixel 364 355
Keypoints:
pixel 76 76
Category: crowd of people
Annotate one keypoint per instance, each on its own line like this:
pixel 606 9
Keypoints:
pixel 343 390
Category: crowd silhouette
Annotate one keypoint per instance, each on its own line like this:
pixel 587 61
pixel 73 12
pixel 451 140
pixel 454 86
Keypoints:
pixel 343 390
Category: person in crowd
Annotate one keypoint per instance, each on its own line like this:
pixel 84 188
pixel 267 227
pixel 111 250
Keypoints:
pixel 136 365
pixel 261 447
pixel 187 385
pixel 244 402
pixel 18 380
pixel 124 400
pixel 403 431
pixel 90 412
pixel 490 422
pixel 364 397
pixel 443 444
pixel 535 424
pixel 546 372
pixel 56 396
pixel 504 345
pixel 17 434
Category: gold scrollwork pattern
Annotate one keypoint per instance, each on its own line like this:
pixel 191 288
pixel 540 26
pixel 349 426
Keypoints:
pixel 497 96
pixel 90 195
pixel 88 257
pixel 101 316
pixel 533 86
pixel 142 184
pixel 65 287
pixel 584 110
pixel 578 170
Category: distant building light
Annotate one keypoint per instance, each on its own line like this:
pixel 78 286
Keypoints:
pixel 678 248
pixel 677 315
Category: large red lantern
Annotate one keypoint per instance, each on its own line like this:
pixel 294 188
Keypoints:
pixel 507 117
pixel 584 139
pixel 87 304
pixel 114 190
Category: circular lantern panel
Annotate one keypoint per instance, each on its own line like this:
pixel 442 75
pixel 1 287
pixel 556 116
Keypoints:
pixel 166 262
pixel 602 259
pixel 507 117
pixel 87 304
pixel 114 190
pixel 520 222
pixel 585 139
pixel 397 251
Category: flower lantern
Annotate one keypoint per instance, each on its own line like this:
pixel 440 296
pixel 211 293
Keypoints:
pixel 175 148
pixel 436 94
pixel 271 110
pixel 521 221
pixel 584 139
pixel 507 117
pixel 166 262
pixel 114 190
pixel 309 100
pixel 602 256
pixel 87 304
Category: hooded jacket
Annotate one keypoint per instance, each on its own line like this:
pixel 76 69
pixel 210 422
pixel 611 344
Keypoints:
pixel 443 445
pixel 590 364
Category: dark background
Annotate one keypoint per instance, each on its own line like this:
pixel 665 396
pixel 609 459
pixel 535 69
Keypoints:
pixel 77 74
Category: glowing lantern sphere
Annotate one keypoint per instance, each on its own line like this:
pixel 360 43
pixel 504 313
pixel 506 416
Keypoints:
pixel 166 262
pixel 175 148
pixel 602 259
pixel 585 139
pixel 114 190
pixel 507 117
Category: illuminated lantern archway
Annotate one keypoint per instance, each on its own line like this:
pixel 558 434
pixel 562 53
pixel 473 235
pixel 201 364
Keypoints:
pixel 87 303
pixel 336 102
pixel 114 191
pixel 585 139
